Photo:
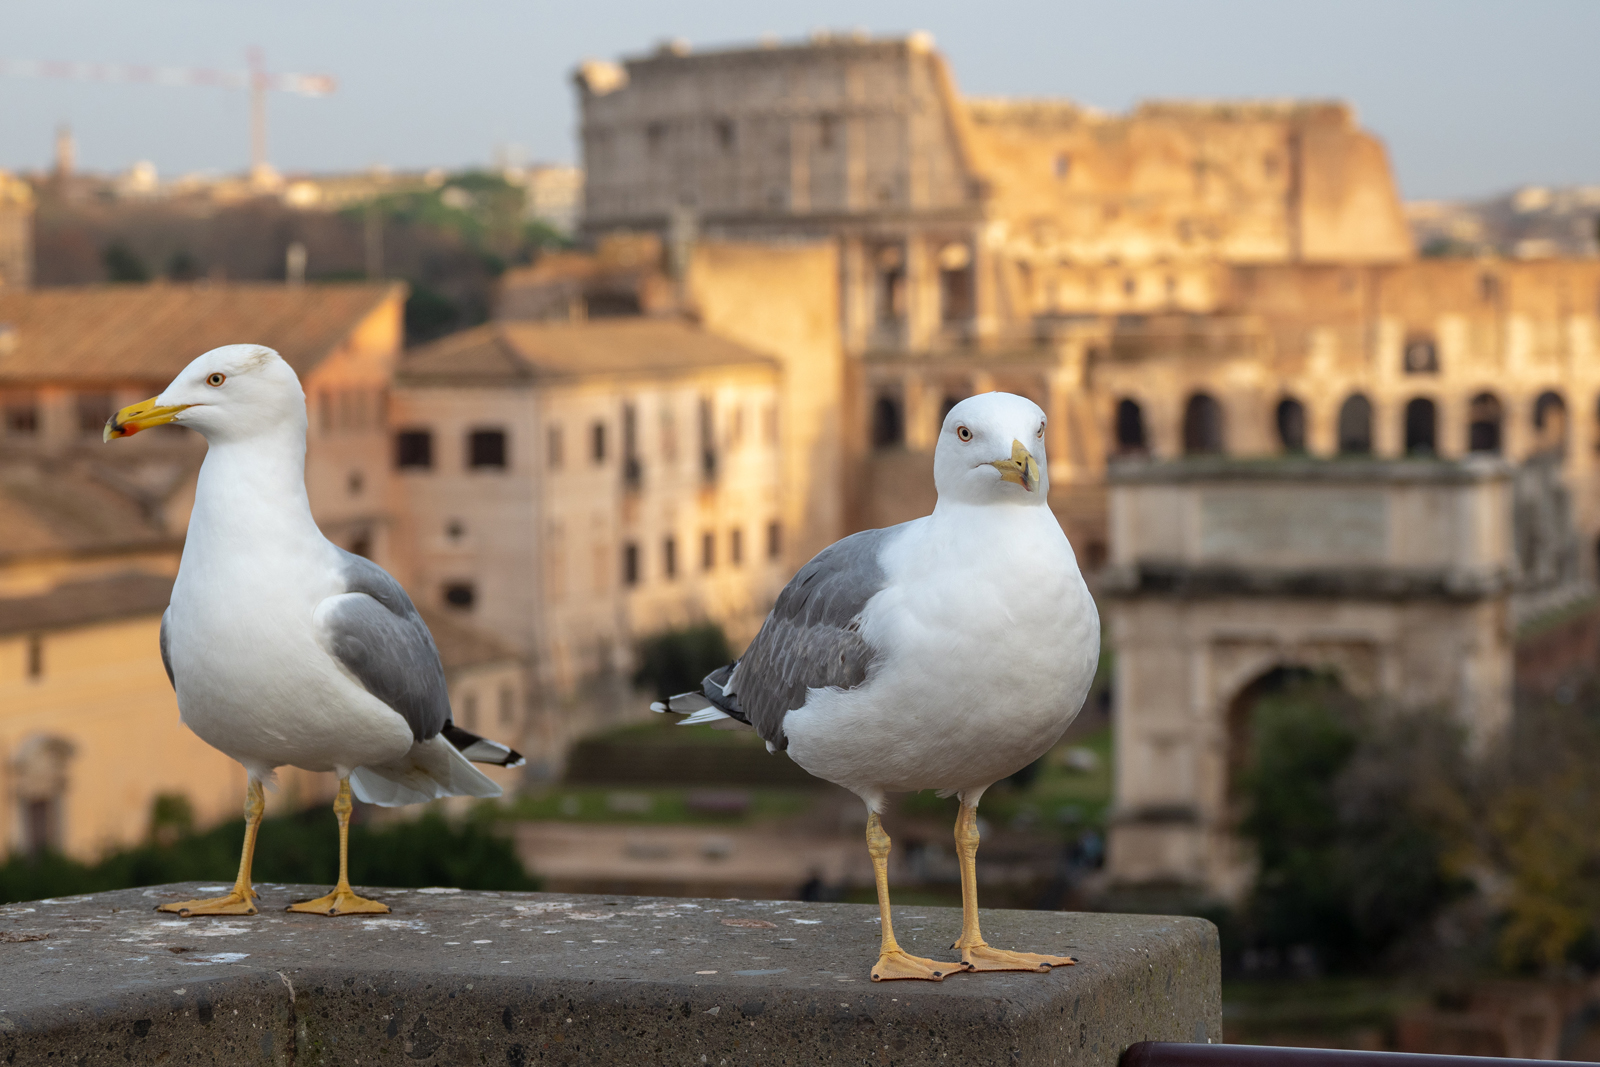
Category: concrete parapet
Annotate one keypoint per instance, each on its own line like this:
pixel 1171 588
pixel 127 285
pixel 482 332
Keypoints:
pixel 522 978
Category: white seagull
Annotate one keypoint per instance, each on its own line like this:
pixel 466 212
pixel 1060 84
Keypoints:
pixel 283 648
pixel 943 653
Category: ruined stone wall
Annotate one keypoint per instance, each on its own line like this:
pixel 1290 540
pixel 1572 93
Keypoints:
pixel 753 136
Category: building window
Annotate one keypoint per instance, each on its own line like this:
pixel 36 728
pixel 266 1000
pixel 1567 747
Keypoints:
pixel 1488 288
pixel 890 292
pixel 39 774
pixel 94 411
pixel 1291 425
pixel 1483 424
pixel 413 449
pixel 1202 425
pixel 630 564
pixel 361 545
pixel 708 440
pixel 956 298
pixel 1421 356
pixel 469 711
pixel 774 540
pixel 736 547
pixel 726 134
pixel 354 483
pixel 1130 427
pixel 486 448
pixel 632 469
pixel 1420 423
pixel 655 136
pixel 508 705
pixel 708 550
pixel 21 415
pixel 555 448
pixel 1063 164
pixel 36 655
pixel 597 442
pixel 669 557
pixel 827 131
pixel 888 422
pixel 1355 426
pixel 460 595
pixel 1550 424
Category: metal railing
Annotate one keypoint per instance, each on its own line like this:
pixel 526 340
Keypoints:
pixel 1179 1054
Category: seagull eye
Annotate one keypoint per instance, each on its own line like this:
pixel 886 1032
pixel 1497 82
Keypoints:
pixel 216 379
pixel 963 433
pixel 1041 430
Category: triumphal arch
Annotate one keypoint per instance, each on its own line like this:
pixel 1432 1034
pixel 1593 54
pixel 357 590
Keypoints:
pixel 1395 576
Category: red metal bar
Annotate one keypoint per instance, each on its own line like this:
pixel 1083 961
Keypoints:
pixel 1177 1054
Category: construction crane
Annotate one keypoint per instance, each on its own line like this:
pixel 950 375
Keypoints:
pixel 255 78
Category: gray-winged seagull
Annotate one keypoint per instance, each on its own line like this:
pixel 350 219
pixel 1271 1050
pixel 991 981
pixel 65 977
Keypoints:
pixel 943 653
pixel 283 648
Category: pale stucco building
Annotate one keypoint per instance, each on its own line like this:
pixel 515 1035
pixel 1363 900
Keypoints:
pixel 573 488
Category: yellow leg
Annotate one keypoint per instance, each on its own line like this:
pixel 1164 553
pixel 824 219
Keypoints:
pixel 342 901
pixel 974 952
pixel 893 961
pixel 241 901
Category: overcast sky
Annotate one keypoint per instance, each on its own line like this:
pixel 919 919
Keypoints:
pixel 1472 97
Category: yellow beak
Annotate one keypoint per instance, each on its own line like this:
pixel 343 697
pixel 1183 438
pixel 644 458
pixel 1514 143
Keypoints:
pixel 141 416
pixel 1021 468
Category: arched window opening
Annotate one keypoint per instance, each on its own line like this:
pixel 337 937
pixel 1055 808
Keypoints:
pixel 1292 425
pixel 1202 425
pixel 1130 427
pixel 1483 424
pixel 1550 424
pixel 1257 712
pixel 1355 426
pixel 1421 355
pixel 956 296
pixel 950 400
pixel 888 422
pixel 1421 420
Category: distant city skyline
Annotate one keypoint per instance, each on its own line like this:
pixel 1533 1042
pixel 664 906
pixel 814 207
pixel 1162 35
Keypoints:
pixel 1472 97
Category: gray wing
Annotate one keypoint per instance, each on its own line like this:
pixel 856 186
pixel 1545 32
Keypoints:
pixel 166 652
pixel 812 639
pixel 381 639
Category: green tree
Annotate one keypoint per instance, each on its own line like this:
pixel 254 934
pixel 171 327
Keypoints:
pixel 123 264
pixel 675 661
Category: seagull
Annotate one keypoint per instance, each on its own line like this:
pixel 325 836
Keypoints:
pixel 944 653
pixel 283 648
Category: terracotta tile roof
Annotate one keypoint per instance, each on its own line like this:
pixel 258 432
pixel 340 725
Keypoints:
pixel 512 352
pixel 121 596
pixel 69 511
pixel 147 333
pixel 461 645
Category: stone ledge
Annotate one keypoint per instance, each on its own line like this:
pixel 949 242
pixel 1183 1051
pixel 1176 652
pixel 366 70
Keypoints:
pixel 525 978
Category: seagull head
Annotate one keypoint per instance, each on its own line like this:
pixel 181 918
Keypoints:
pixel 991 451
pixel 230 393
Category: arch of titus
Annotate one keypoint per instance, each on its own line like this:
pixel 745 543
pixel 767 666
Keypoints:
pixel 1395 576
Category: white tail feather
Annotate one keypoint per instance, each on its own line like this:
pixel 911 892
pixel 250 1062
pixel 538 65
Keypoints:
pixel 432 769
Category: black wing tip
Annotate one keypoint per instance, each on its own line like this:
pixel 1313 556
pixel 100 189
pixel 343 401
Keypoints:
pixel 490 752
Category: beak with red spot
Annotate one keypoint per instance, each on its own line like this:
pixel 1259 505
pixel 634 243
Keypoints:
pixel 1021 468
pixel 141 416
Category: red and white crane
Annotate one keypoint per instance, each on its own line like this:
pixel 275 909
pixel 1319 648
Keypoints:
pixel 255 78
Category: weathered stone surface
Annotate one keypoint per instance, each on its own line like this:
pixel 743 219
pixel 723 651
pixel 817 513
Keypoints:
pixel 529 978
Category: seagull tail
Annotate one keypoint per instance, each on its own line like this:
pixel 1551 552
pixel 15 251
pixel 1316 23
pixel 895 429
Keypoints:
pixel 432 769
pixel 698 710
pixel 481 749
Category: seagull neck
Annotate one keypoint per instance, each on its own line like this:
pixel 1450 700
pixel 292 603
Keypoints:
pixel 255 486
